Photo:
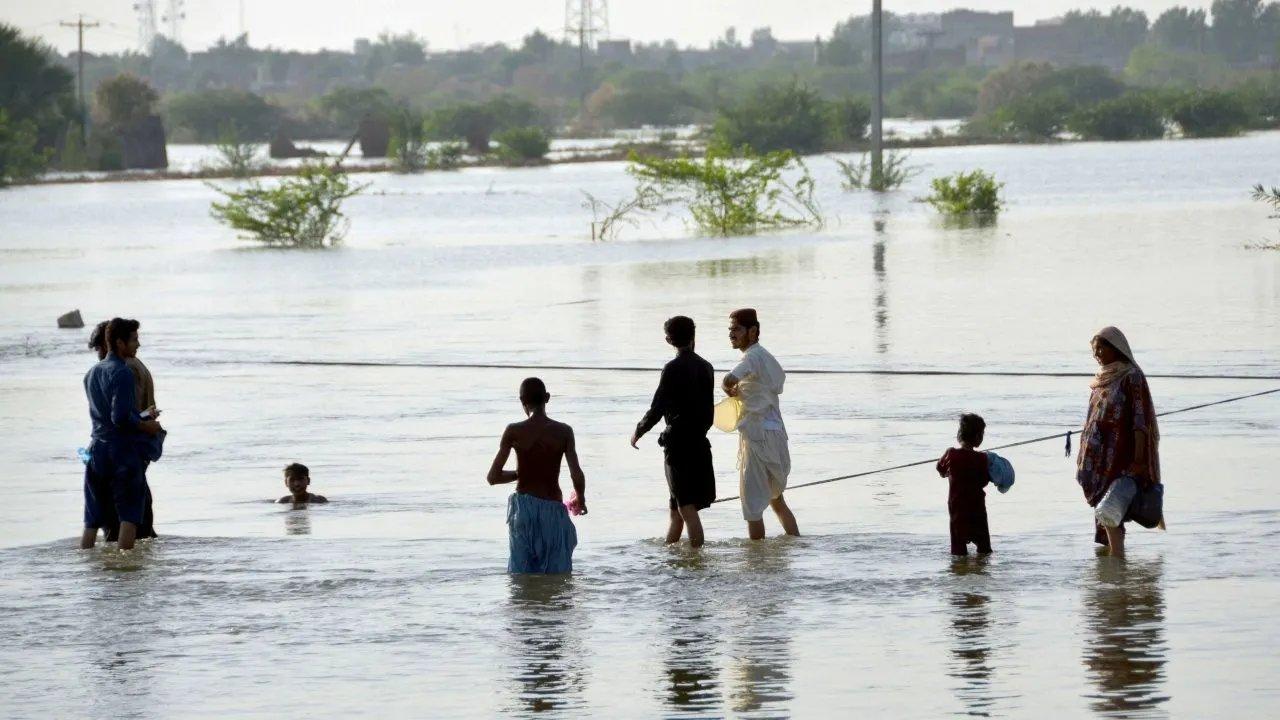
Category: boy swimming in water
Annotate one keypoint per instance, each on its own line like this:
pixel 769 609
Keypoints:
pixel 542 536
pixel 297 477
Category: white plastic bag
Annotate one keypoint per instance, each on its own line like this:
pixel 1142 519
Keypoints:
pixel 1115 503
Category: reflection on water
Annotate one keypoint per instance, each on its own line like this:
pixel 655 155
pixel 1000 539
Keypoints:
pixel 882 291
pixel 297 521
pixel 1125 647
pixel 120 669
pixel 971 641
pixel 693 680
pixel 761 664
pixel 547 649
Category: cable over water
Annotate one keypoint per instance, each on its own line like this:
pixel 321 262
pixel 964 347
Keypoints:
pixel 638 369
pixel 1065 434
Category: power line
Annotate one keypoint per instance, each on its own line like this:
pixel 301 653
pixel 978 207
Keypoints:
pixel 80 25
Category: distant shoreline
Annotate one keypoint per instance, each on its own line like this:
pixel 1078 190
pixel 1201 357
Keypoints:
pixel 618 154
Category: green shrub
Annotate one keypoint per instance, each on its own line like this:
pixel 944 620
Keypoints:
pixel 966 193
pixel 730 194
pixel 523 144
pixel 302 211
pixel 19 158
pixel 1210 114
pixel 775 117
pixel 1136 116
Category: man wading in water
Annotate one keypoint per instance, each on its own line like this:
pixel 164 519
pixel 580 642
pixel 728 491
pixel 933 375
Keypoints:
pixel 115 483
pixel 763 458
pixel 684 398
pixel 542 535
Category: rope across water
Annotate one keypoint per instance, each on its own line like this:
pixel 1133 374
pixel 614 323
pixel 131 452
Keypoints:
pixel 927 373
pixel 1042 438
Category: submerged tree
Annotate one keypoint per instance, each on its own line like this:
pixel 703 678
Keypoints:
pixel 732 194
pixel 893 174
pixel 302 211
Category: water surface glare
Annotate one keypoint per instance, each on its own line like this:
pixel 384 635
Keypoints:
pixel 393 599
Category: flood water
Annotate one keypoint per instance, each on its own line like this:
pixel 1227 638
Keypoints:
pixel 393 600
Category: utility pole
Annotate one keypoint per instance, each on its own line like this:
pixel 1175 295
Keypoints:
pixel 80 26
pixel 588 20
pixel 877 96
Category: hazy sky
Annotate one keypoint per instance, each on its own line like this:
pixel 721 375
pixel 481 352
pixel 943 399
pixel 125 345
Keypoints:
pixel 314 24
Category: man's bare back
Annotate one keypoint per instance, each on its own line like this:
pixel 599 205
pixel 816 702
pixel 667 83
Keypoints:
pixel 540 443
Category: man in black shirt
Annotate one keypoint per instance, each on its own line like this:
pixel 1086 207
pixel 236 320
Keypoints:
pixel 684 400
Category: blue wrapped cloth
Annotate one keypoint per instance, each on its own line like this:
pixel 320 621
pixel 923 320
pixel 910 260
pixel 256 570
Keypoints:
pixel 542 535
pixel 1001 472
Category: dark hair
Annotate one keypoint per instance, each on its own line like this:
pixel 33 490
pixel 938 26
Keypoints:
pixel 98 338
pixel 746 317
pixel 680 330
pixel 971 428
pixel 119 330
pixel 294 469
pixel 533 392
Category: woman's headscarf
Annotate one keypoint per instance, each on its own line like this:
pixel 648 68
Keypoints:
pixel 1118 370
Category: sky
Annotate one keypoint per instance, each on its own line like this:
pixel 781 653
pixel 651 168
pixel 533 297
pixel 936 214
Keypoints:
pixel 315 24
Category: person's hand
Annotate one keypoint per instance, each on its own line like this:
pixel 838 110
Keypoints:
pixel 635 438
pixel 154 412
pixel 582 503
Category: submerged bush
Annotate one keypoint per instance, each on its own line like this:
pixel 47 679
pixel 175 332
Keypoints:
pixel 1271 197
pixel 1130 117
pixel 523 144
pixel 894 172
pixel 1210 114
pixel 445 156
pixel 238 156
pixel 730 194
pixel 302 211
pixel 408 143
pixel 966 193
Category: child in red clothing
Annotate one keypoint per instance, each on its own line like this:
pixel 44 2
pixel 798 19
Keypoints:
pixel 966 469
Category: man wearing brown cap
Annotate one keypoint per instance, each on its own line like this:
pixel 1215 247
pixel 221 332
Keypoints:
pixel 763 458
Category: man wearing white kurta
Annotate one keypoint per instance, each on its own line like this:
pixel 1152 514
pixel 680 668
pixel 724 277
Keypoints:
pixel 763 458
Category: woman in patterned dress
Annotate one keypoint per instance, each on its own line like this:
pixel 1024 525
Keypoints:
pixel 1120 435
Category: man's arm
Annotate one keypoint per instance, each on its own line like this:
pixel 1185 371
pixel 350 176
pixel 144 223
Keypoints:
pixel 497 475
pixel 735 376
pixel 730 384
pixel 661 397
pixel 123 414
pixel 575 470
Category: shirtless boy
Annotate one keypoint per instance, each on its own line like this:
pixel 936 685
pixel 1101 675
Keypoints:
pixel 297 478
pixel 542 536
